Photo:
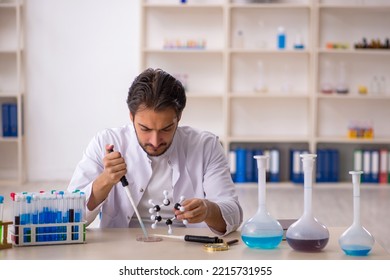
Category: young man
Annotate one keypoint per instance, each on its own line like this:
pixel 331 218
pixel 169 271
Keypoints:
pixel 156 155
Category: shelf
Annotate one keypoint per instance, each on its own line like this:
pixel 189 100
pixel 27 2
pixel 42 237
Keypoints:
pixel 355 51
pixel 281 95
pixel 11 90
pixel 354 96
pixel 269 6
pixel 268 139
pixel 286 109
pixel 270 51
pixel 352 7
pixel 345 140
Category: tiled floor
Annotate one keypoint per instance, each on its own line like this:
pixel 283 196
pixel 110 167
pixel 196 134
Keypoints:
pixel 332 204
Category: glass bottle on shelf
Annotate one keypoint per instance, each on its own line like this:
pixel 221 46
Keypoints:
pixel 342 86
pixel 262 231
pixel 307 234
pixel 356 240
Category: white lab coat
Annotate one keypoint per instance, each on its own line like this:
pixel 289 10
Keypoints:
pixel 199 169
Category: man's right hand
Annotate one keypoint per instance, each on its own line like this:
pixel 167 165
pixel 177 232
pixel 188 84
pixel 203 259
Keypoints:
pixel 114 169
pixel 114 166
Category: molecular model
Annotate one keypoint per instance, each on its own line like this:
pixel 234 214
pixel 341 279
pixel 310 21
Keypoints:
pixel 155 211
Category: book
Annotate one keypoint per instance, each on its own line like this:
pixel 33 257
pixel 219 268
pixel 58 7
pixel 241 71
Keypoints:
pixel 9 114
pixel 383 166
pixel 274 169
pixel 366 176
pixel 374 171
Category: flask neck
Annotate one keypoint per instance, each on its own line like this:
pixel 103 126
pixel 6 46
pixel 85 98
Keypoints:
pixel 261 187
pixel 307 210
pixel 356 210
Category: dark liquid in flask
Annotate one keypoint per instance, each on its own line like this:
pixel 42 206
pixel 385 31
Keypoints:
pixel 311 245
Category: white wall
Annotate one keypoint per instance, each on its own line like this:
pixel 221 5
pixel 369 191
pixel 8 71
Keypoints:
pixel 81 57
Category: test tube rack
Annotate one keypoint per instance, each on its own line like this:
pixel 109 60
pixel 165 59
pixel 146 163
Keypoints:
pixel 48 218
pixel 4 229
pixel 48 234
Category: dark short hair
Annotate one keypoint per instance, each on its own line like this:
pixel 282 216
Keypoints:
pixel 156 89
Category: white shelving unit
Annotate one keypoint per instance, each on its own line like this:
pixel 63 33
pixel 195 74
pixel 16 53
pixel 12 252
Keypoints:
pixel 11 89
pixel 348 22
pixel 222 79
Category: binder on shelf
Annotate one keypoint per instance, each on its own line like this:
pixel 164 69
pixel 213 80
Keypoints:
pixel 383 166
pixel 335 165
pixel 9 114
pixel 358 160
pixel 296 169
pixel 13 119
pixel 321 165
pixel 258 152
pixel 232 164
pixel 240 165
pixel 388 167
pixel 374 171
pixel 327 169
pixel 366 176
pixel 249 166
pixel 267 173
pixel 274 169
pixel 5 120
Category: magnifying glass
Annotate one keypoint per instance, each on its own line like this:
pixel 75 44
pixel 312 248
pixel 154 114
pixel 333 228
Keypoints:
pixel 214 247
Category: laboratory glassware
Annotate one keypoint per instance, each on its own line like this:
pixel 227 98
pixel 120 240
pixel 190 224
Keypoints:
pixel 1 218
pixel 307 233
pixel 262 231
pixel 356 240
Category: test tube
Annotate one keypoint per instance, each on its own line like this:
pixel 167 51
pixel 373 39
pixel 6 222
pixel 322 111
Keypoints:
pixel 60 211
pixel 27 217
pixel 35 219
pixel 72 212
pixel 77 213
pixel 1 218
pixel 16 213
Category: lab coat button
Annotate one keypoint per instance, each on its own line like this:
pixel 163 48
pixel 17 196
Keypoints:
pixel 141 190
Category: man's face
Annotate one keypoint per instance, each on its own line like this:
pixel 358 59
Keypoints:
pixel 155 130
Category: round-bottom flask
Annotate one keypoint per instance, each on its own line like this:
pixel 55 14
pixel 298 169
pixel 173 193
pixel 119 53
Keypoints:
pixel 307 234
pixel 356 240
pixel 262 231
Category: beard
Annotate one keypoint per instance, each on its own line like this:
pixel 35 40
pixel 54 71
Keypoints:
pixel 151 151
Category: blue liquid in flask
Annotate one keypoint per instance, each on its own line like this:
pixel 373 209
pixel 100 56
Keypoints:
pixel 270 242
pixel 356 250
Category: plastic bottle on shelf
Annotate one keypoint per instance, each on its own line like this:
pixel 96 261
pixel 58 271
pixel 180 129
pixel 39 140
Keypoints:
pixel 281 38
